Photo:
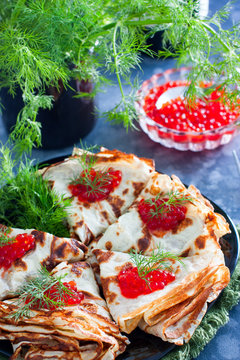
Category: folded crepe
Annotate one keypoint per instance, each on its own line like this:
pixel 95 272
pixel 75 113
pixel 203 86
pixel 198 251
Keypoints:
pixel 88 220
pixel 174 312
pixel 49 250
pixel 200 230
pixel 84 331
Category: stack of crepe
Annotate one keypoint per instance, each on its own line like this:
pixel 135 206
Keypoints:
pixel 174 312
pixel 49 251
pixel 88 220
pixel 198 232
pixel 112 228
pixel 83 331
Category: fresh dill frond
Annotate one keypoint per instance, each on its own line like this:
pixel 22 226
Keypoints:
pixel 34 294
pixel 88 158
pixel 27 201
pixel 39 40
pixel 93 180
pixel 168 200
pixel 4 238
pixel 158 260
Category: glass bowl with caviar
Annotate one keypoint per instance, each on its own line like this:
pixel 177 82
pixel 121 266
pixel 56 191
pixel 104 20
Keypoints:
pixel 166 117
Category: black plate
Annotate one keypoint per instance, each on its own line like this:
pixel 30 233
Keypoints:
pixel 148 347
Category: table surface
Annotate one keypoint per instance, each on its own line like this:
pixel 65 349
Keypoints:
pixel 214 172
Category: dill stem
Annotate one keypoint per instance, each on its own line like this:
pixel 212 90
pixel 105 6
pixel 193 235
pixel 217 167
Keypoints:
pixel 213 32
pixel 16 10
pixel 152 21
pixel 115 55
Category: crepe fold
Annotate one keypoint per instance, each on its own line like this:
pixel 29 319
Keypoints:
pixel 88 220
pixel 85 331
pixel 198 232
pixel 174 312
pixel 49 251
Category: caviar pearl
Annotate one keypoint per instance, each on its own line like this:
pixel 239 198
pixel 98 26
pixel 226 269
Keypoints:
pixel 132 285
pixel 209 113
pixel 15 249
pixel 102 188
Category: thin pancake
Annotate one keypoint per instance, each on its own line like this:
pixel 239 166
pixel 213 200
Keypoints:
pixel 200 230
pixel 88 220
pixel 88 326
pixel 199 280
pixel 49 251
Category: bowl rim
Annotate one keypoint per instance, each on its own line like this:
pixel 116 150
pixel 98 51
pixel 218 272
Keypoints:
pixel 141 112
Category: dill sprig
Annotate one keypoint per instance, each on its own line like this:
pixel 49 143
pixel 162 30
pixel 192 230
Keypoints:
pixel 4 238
pixel 158 260
pixel 94 183
pixel 27 200
pixel 34 294
pixel 39 39
pixel 168 201
pixel 88 158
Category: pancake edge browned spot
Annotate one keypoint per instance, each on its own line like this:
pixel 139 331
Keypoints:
pixel 79 223
pixel 86 205
pixel 143 244
pixel 77 267
pixel 138 186
pixel 39 236
pixel 183 225
pixel 60 250
pixel 108 245
pixel 185 253
pixel 88 295
pixel 96 268
pixel 50 261
pixel 78 244
pixel 105 285
pixel 200 242
pixel 51 183
pixel 89 234
pixel 112 297
pixel 105 215
pixel 210 217
pixel 102 256
pixel 116 203
pixel 19 263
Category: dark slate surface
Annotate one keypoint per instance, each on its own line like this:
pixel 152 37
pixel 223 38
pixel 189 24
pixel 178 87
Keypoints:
pixel 213 172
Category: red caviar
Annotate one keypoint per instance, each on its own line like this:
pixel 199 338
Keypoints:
pixel 74 297
pixel 209 113
pixel 168 218
pixel 15 249
pixel 132 285
pixel 95 185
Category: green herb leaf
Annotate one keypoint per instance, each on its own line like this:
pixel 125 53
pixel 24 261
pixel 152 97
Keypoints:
pixel 87 158
pixel 27 200
pixel 4 238
pixel 158 260
pixel 93 182
pixel 34 294
pixel 169 200
pixel 39 40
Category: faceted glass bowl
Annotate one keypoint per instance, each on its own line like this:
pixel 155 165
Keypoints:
pixel 180 140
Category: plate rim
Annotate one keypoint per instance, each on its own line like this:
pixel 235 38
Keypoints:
pixel 233 262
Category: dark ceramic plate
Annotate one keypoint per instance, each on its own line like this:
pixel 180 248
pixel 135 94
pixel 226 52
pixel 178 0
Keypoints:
pixel 148 347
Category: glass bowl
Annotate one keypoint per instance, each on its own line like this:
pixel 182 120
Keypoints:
pixel 171 138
